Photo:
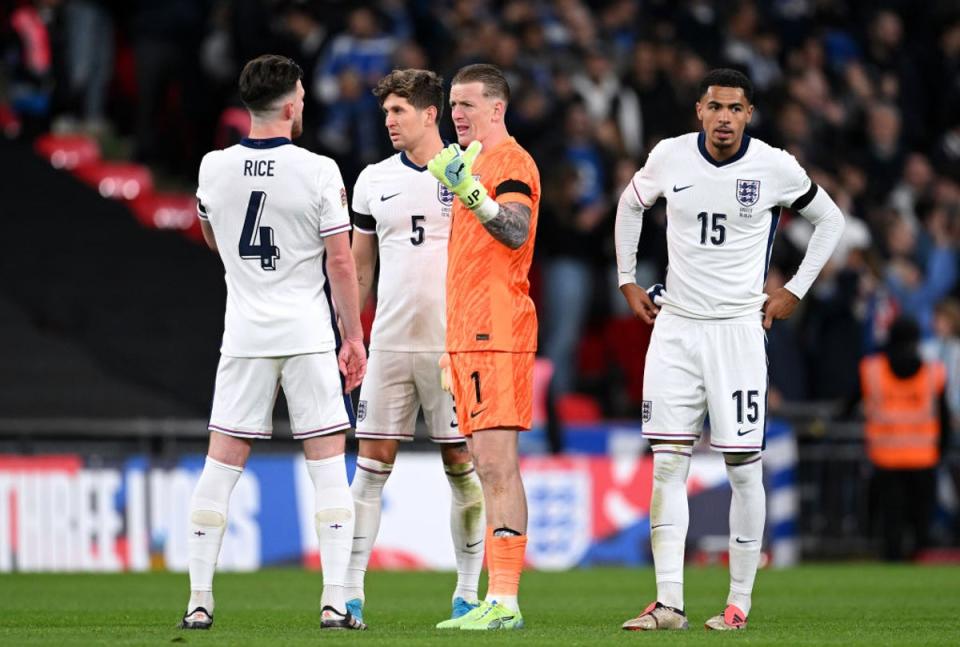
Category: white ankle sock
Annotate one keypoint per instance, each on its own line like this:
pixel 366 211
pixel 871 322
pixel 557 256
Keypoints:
pixel 208 522
pixel 334 523
pixel 748 512
pixel 669 519
pixel 467 527
pixel 506 601
pixel 367 491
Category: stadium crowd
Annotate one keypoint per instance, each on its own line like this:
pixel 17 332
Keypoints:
pixel 866 95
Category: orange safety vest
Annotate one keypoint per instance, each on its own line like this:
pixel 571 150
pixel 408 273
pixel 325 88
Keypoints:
pixel 903 417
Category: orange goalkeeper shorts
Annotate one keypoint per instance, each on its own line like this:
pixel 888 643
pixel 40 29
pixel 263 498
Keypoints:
pixel 492 390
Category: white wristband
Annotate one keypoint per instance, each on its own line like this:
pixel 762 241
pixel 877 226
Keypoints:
pixel 487 210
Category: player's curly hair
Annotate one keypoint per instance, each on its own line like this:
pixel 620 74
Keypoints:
pixel 494 82
pixel 267 78
pixel 727 78
pixel 422 88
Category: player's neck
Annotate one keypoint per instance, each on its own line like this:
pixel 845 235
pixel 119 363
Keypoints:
pixel 269 130
pixel 425 150
pixel 494 138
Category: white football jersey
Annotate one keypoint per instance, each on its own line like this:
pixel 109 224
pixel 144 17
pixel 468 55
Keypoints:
pixel 721 220
pixel 409 211
pixel 271 204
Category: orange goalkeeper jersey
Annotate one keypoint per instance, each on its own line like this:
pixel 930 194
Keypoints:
pixel 488 301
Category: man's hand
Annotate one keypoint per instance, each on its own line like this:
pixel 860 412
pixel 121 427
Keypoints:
pixel 640 302
pixel 780 305
pixel 353 363
pixel 446 375
pixel 454 168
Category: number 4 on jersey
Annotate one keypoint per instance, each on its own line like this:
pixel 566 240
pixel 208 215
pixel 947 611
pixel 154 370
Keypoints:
pixel 266 251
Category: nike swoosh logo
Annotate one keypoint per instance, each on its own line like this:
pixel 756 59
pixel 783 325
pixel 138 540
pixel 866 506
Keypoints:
pixel 355 538
pixel 677 189
pixel 744 433
pixel 745 541
pixel 474 414
pixel 476 543
pixel 660 525
pixel 384 198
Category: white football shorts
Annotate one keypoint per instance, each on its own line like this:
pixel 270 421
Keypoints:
pixel 695 367
pixel 247 388
pixel 397 384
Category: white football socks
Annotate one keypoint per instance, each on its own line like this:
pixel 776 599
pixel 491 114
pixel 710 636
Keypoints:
pixel 467 527
pixel 669 519
pixel 367 491
pixel 334 523
pixel 748 512
pixel 208 522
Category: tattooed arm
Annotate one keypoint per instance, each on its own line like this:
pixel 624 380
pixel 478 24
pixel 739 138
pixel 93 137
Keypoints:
pixel 511 226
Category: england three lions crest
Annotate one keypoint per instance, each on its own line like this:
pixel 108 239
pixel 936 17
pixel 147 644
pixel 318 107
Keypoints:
pixel 361 410
pixel 748 192
pixel 444 195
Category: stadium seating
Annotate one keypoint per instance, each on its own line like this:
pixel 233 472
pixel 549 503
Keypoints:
pixel 120 181
pixel 176 211
pixel 68 151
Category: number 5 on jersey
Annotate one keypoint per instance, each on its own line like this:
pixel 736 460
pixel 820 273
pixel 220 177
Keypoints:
pixel 265 250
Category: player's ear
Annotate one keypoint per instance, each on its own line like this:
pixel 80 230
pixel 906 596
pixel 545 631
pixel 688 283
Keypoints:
pixel 749 113
pixel 498 109
pixel 430 112
pixel 699 112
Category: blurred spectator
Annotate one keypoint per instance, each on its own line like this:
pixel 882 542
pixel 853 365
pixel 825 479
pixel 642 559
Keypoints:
pixel 944 347
pixel 571 242
pixel 607 99
pixel 752 49
pixel 166 38
pixel 885 155
pixel 917 286
pixel 788 377
pixel 89 63
pixel 28 58
pixel 354 62
pixel 906 427
pixel 651 84
pixel 915 188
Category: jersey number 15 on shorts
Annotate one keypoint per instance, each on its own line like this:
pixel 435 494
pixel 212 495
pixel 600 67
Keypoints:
pixel 266 251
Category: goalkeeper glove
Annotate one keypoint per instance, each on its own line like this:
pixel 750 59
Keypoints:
pixel 446 375
pixel 453 167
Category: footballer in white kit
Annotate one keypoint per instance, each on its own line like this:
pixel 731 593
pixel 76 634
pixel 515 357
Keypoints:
pixel 724 192
pixel 408 211
pixel 277 215
pixel 279 327
pixel 402 215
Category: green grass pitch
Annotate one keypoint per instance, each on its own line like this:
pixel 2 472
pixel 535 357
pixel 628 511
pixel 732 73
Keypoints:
pixel 849 604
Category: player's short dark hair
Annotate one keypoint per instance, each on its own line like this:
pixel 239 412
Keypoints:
pixel 727 78
pixel 422 88
pixel 267 78
pixel 494 82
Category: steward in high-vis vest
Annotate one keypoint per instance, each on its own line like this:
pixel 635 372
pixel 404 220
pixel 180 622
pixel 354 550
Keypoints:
pixel 906 422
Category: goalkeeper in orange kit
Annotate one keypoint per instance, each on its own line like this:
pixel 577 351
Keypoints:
pixel 491 320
